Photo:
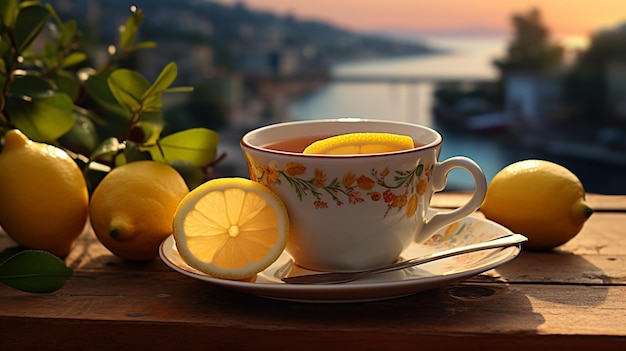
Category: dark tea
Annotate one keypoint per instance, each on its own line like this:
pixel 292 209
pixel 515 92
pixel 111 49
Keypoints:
pixel 295 144
pixel 299 144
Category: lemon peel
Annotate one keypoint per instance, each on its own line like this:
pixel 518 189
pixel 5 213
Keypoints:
pixel 132 208
pixel 43 195
pixel 540 199
pixel 360 143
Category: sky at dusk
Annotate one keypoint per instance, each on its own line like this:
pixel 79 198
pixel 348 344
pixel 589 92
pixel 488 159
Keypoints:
pixel 562 17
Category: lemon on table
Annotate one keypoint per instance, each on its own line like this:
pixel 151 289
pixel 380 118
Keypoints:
pixel 360 143
pixel 43 195
pixel 231 228
pixel 540 199
pixel 132 208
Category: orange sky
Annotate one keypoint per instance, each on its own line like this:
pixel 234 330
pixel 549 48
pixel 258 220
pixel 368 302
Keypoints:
pixel 562 17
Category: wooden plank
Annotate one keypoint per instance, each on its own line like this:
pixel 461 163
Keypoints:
pixel 594 257
pixel 607 203
pixel 551 284
pixel 535 301
pixel 140 336
pixel 602 234
pixel 467 309
pixel 561 268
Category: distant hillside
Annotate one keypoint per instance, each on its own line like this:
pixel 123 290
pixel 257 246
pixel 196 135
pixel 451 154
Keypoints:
pixel 458 32
pixel 236 28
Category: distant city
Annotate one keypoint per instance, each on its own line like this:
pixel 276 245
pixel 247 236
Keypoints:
pixel 251 42
pixel 248 66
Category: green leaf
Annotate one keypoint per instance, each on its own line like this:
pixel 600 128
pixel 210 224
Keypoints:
pixel 9 252
pixel 68 34
pixel 132 153
pixel 196 145
pixel 38 110
pixel 67 83
pixel 73 59
pixel 83 136
pixel 27 3
pixel 145 45
pixel 94 173
pixel 152 103
pixel 152 97
pixel 129 31
pixel 163 81
pixel 53 13
pixel 179 90
pixel 30 85
pixel 192 174
pixel 29 23
pixel 35 271
pixel 151 124
pixel 8 13
pixel 50 53
pixel 128 87
pixel 107 149
pixel 98 89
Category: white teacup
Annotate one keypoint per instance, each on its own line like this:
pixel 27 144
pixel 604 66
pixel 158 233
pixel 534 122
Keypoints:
pixel 352 212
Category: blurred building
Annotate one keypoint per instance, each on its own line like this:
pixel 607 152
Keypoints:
pixel 531 98
pixel 616 88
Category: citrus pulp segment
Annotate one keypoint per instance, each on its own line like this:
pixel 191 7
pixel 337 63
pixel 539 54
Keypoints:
pixel 360 143
pixel 231 228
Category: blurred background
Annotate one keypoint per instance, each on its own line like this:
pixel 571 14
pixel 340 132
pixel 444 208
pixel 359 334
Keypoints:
pixel 502 81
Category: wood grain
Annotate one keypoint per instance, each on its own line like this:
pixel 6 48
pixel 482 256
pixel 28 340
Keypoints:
pixel 573 298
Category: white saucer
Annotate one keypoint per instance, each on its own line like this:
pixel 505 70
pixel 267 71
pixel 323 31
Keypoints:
pixel 377 287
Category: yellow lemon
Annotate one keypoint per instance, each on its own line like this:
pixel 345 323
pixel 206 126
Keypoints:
pixel 43 195
pixel 231 228
pixel 132 208
pixel 540 199
pixel 360 143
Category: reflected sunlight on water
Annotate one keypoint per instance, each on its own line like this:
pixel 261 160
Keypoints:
pixel 400 102
pixel 467 57
pixel 412 102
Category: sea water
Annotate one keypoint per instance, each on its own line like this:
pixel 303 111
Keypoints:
pixel 412 102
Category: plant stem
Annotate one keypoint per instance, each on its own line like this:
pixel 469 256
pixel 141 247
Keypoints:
pixel 4 119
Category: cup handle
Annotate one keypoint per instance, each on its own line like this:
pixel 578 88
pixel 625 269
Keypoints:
pixel 440 175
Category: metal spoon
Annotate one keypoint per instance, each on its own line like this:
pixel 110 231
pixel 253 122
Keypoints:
pixel 344 277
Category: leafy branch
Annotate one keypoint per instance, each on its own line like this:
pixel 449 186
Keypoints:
pixel 107 115
pixel 104 116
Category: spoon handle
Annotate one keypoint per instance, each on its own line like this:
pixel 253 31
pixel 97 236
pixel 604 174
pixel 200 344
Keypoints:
pixel 344 277
pixel 500 242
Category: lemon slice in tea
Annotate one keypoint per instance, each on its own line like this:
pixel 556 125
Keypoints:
pixel 360 143
pixel 231 228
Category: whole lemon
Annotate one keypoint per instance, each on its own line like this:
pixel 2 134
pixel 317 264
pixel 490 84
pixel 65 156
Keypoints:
pixel 132 209
pixel 43 195
pixel 540 199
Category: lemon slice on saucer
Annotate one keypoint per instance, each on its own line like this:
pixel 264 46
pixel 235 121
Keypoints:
pixel 231 228
pixel 360 143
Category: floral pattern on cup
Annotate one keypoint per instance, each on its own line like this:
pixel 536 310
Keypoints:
pixel 459 233
pixel 400 190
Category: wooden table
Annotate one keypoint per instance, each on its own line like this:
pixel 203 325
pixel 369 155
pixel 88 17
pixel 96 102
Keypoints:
pixel 571 299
